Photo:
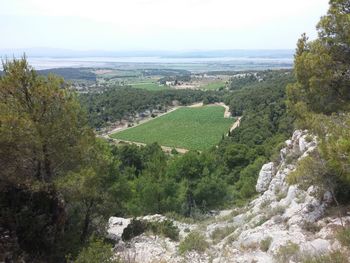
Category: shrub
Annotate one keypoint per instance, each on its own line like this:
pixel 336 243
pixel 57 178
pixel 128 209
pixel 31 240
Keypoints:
pixel 333 257
pixel 194 241
pixel 308 138
pixel 344 236
pixel 261 221
pixel 311 227
pixel 265 244
pixel 135 228
pixel 220 233
pixel 280 195
pixel 287 253
pixel 96 251
pixel 278 210
pixel 174 151
pixel 165 228
pixel 265 203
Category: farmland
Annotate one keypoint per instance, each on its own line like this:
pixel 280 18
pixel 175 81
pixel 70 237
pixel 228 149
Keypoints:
pixel 148 85
pixel 190 128
pixel 213 85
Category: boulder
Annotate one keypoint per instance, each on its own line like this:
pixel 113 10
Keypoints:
pixel 116 226
pixel 265 176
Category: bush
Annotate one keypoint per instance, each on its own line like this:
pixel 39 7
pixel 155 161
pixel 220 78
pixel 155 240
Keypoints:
pixel 308 138
pixel 194 241
pixel 135 228
pixel 344 236
pixel 96 251
pixel 311 227
pixel 165 228
pixel 288 253
pixel 265 244
pixel 220 233
pixel 278 210
pixel 333 257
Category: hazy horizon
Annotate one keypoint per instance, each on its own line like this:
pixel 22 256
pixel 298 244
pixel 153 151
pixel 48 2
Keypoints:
pixel 161 25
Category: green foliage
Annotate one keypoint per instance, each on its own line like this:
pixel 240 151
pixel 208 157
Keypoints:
pixel 189 128
pixel 193 241
pixel 148 85
pixel 72 74
pixel 265 244
pixel 42 126
pixel 135 228
pixel 214 85
pixel 119 103
pixel 82 180
pixel 220 233
pixel 164 228
pixel 311 227
pixel 344 236
pixel 43 137
pixel 334 257
pixel 288 252
pixel 320 99
pixel 96 251
pixel 321 66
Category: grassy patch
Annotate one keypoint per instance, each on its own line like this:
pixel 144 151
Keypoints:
pixel 333 257
pixel 194 241
pixel 152 86
pixel 220 233
pixel 344 237
pixel 265 244
pixel 289 252
pixel 214 85
pixel 189 128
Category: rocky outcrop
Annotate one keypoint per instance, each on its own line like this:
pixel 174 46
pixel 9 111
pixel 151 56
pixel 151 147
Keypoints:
pixel 283 215
pixel 116 226
pixel 265 177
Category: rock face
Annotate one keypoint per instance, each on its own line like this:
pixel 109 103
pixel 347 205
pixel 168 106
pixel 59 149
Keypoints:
pixel 283 215
pixel 116 226
pixel 265 177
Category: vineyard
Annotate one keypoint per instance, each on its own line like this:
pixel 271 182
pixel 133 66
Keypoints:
pixel 189 128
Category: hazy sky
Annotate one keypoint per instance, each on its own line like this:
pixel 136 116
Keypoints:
pixel 157 24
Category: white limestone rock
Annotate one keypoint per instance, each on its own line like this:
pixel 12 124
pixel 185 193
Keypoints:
pixel 116 226
pixel 265 176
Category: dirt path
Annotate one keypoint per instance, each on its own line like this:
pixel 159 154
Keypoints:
pixel 227 113
pixel 236 124
pixel 166 149
pixel 119 129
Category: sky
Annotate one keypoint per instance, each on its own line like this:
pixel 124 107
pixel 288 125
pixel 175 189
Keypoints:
pixel 116 25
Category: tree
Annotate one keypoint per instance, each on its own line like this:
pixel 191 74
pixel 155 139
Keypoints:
pixel 322 67
pixel 95 191
pixel 43 130
pixel 321 101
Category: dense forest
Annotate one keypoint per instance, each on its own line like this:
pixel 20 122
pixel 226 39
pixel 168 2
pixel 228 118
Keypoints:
pixel 101 107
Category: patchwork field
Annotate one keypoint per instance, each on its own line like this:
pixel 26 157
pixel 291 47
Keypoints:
pixel 148 85
pixel 213 85
pixel 190 128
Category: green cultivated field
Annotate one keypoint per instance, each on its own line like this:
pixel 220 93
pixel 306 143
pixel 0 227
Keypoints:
pixel 214 85
pixel 189 128
pixel 148 86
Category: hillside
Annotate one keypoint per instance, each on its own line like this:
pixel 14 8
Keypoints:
pixel 284 224
pixel 274 189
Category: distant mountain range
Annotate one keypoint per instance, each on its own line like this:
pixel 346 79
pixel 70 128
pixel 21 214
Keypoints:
pixel 67 53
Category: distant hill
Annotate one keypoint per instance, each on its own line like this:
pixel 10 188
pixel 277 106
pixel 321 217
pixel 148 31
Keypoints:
pixel 71 73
